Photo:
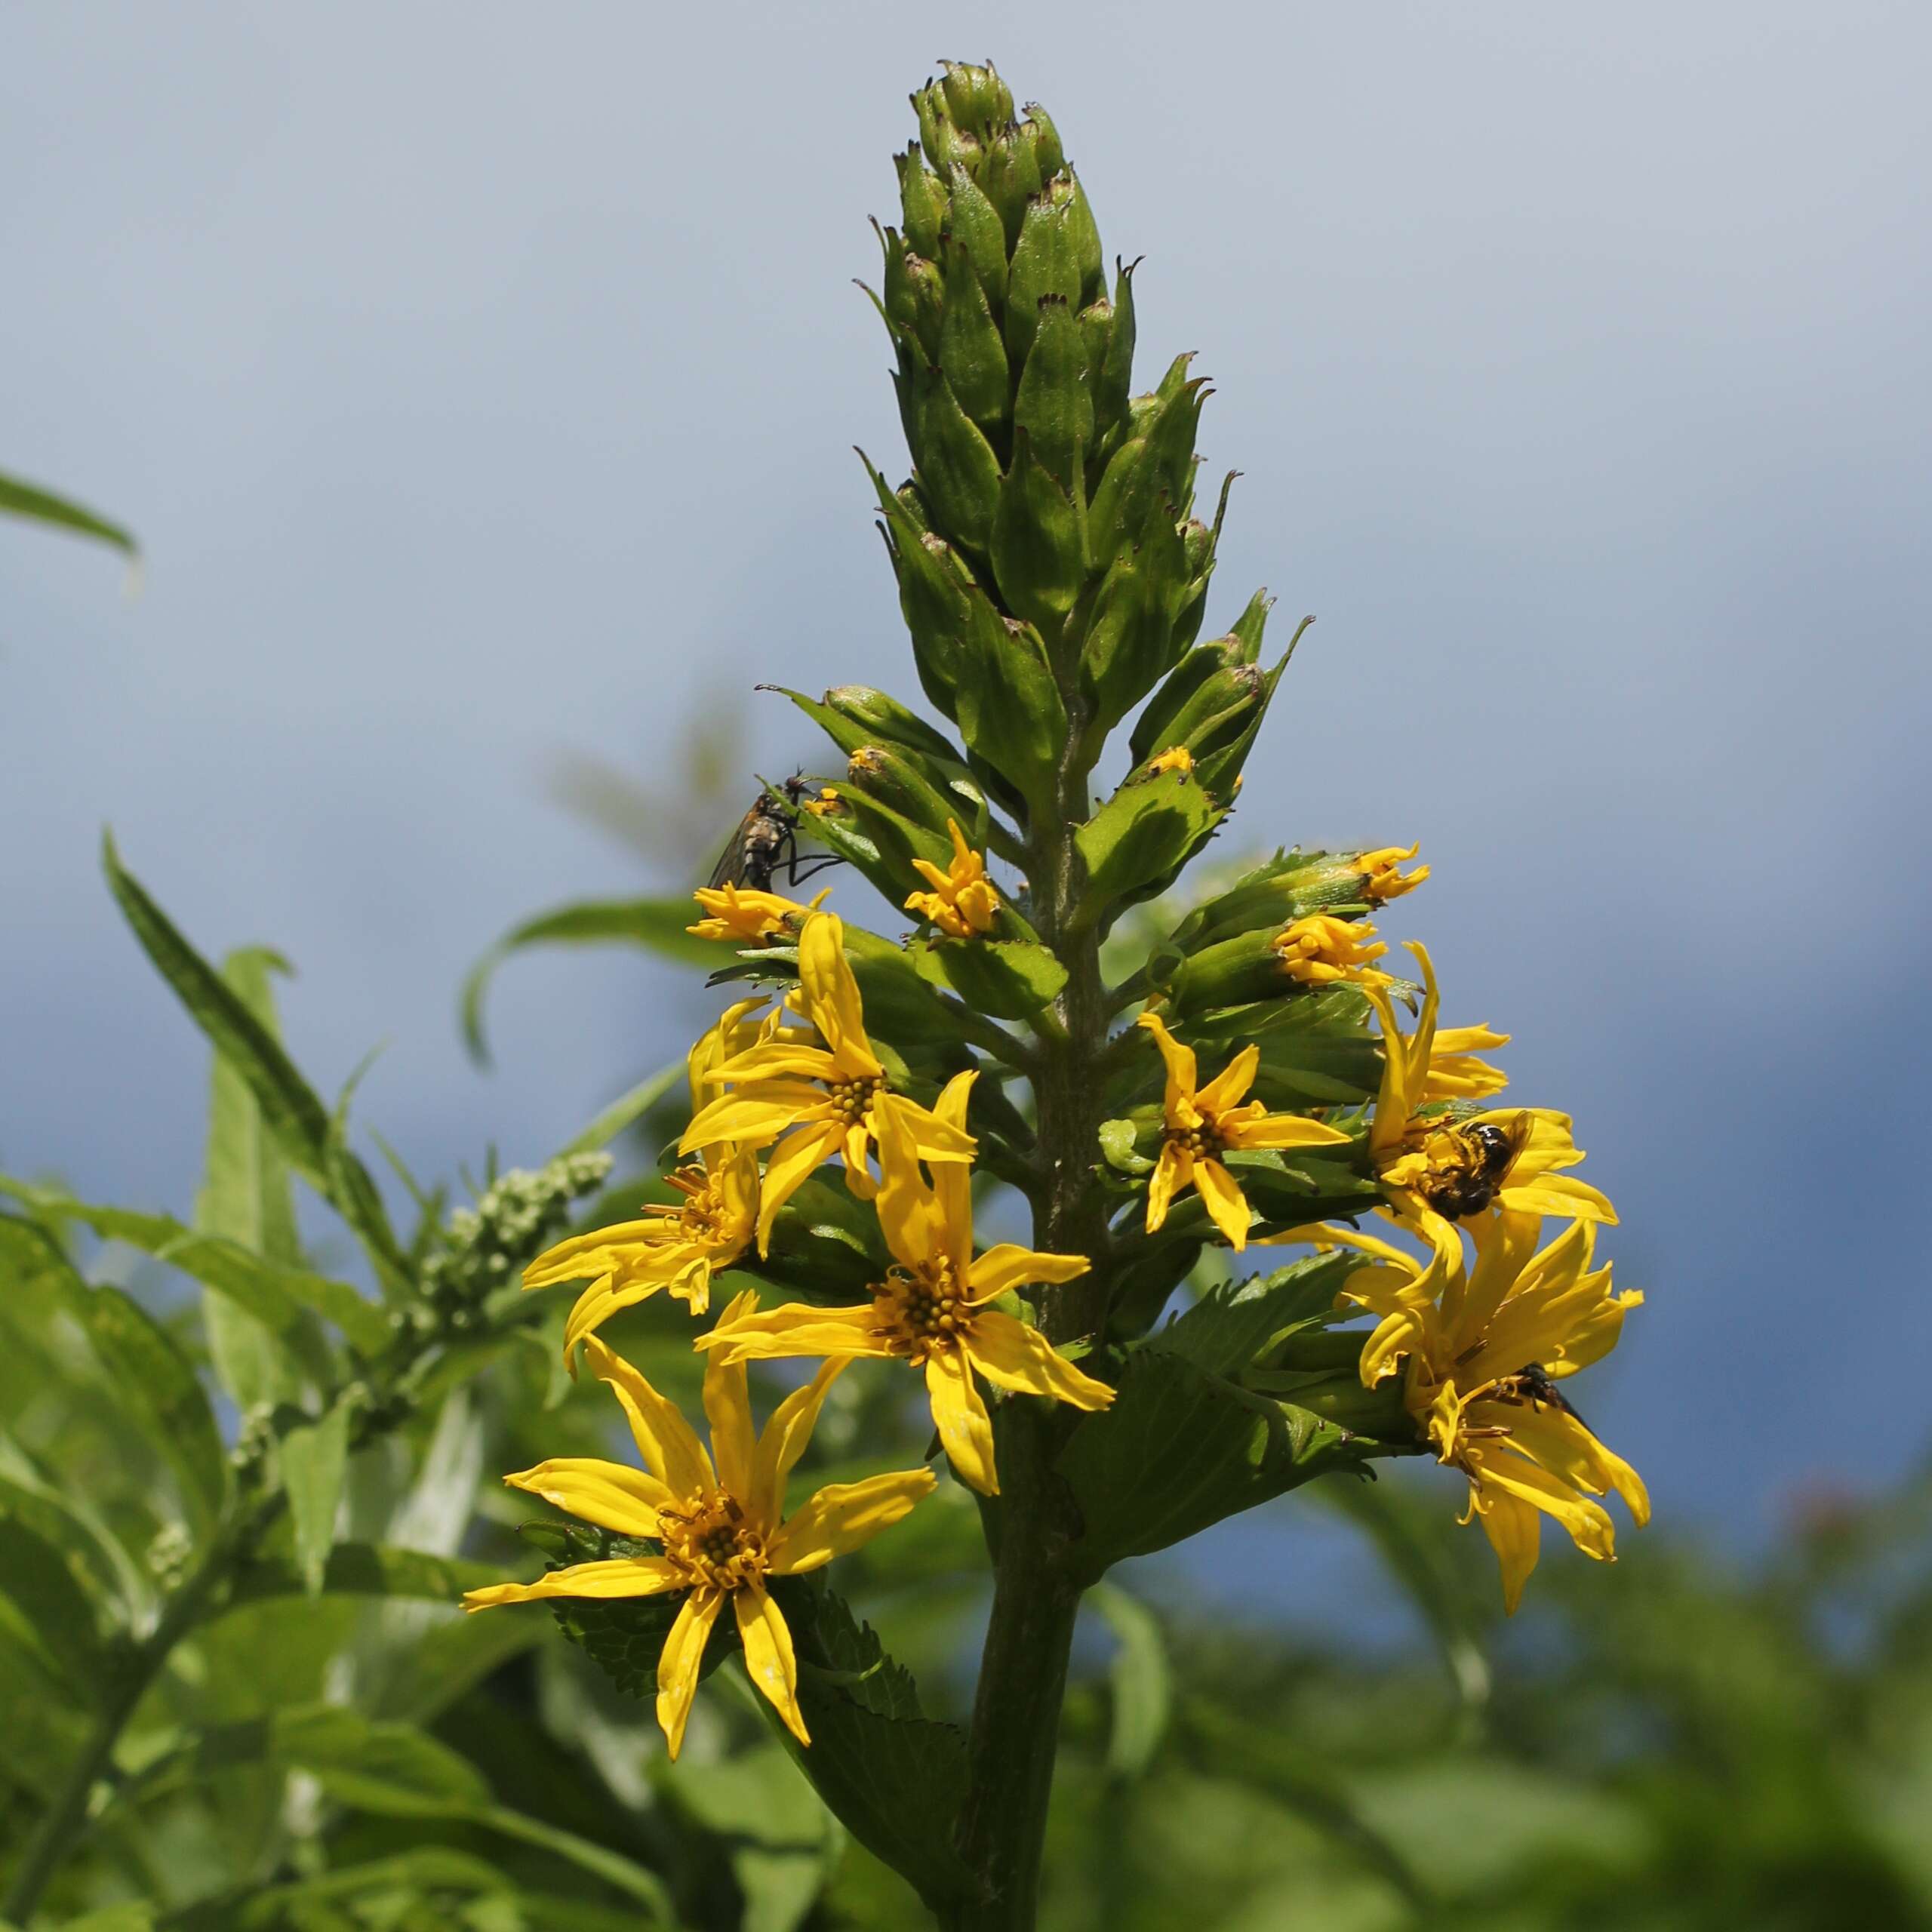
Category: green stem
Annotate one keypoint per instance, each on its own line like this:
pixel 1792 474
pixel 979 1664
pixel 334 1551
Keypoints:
pixel 1029 1636
pixel 67 1816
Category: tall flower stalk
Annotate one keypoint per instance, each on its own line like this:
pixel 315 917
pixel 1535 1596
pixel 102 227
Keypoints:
pixel 1242 1077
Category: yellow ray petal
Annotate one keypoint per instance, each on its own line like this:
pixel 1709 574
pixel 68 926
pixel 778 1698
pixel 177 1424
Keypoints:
pixel 664 1438
pixel 680 1661
pixel 605 1493
pixel 1514 1530
pixel 793 1162
pixel 769 1661
pixel 1227 1086
pixel 1004 1266
pixel 727 1408
pixel 1172 1173
pixel 1267 1129
pixel 1561 1444
pixel 598 1303
pixel 1012 1356
pixel 603 1252
pixel 1590 1528
pixel 1556 1194
pixel 785 1434
pixel 615 1576
pixel 782 1057
pixel 959 1414
pixel 1227 1206
pixel 798 1329
pixel 755 1115
pixel 831 994
pixel 1178 1102
pixel 843 1516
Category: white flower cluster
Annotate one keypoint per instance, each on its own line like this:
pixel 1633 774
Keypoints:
pixel 521 1212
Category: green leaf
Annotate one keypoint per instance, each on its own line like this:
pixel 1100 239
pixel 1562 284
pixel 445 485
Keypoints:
pixel 39 1580
pixel 366 1570
pixel 289 1107
pixel 1138 839
pixel 135 1916
pixel 100 1568
pixel 1179 1449
pixel 1235 1323
pixel 622 1113
pixel 1142 1680
pixel 1054 406
pixel 957 469
pixel 970 350
pixel 276 1297
pixel 245 1197
pixel 21 498
pixel 315 1460
pixel 1008 979
pixel 892 1777
pixel 397 1771
pixel 657 924
pixel 1035 543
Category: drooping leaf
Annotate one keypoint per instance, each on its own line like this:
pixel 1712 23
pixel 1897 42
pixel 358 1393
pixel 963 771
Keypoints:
pixel 36 1578
pixel 19 498
pixel 622 1113
pixel 657 924
pixel 365 1570
pixel 275 1296
pixel 1142 1680
pixel 315 1460
pixel 1137 842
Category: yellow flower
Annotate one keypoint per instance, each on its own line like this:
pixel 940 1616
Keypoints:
pixel 1202 1122
pixel 826 804
pixel 931 1310
pixel 678 1248
pixel 1320 950
pixel 1179 758
pixel 962 901
pixel 1510 1158
pixel 719 1519
pixel 1381 879
pixel 1485 1352
pixel 814 1100
pixel 734 913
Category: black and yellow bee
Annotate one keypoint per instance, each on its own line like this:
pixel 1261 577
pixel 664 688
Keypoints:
pixel 1488 1150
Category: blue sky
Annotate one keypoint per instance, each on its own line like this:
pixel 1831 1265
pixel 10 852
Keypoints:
pixel 482 383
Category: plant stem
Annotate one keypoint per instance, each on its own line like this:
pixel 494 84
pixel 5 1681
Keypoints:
pixel 1022 1668
pixel 65 1818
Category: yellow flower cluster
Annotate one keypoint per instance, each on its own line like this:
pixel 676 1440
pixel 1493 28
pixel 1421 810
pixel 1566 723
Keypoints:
pixel 1483 1348
pixel 774 1099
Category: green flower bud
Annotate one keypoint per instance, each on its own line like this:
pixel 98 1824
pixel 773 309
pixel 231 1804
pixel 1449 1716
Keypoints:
pixel 1129 642
pixel 1112 377
pixel 901 782
pixel 975 97
pixel 970 355
pixel 1289 886
pixel 1046 261
pixel 1036 551
pixel 1053 405
pixel 1171 711
pixel 914 299
pixel 1009 173
pixel 1046 141
pixel 922 201
pixel 874 717
pixel 958 473
pixel 974 223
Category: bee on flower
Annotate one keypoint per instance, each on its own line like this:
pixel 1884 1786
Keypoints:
pixel 1486 1353
pixel 1455 1164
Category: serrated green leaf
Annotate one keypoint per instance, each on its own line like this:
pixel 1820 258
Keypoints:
pixel 1179 1449
pixel 1135 842
pixel 891 1776
pixel 1008 979
pixel 1235 1324
pixel 657 924
pixel 1141 1678
pixel 19 498
pixel 315 1460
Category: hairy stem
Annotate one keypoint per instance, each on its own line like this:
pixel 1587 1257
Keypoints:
pixel 1022 1670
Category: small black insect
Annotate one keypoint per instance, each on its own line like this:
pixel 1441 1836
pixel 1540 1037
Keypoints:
pixel 1534 1384
pixel 766 842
